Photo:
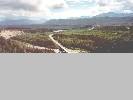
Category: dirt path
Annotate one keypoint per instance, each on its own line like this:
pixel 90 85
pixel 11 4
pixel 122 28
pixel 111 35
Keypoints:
pixel 62 47
pixel 7 34
pixel 41 48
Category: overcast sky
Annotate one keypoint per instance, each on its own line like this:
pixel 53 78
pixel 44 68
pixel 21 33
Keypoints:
pixel 49 9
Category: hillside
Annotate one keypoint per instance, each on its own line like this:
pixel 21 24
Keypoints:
pixel 77 23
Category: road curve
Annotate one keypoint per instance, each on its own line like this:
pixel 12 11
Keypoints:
pixel 7 34
pixel 62 47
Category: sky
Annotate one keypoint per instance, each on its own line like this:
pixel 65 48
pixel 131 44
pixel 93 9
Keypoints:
pixel 61 9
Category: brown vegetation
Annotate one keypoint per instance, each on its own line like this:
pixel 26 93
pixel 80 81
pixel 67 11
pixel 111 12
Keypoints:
pixel 13 46
pixel 108 39
pixel 41 40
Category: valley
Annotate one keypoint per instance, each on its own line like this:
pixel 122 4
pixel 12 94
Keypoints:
pixel 105 39
pixel 105 33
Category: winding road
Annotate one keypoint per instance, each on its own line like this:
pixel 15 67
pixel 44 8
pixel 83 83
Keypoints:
pixel 62 47
pixel 9 34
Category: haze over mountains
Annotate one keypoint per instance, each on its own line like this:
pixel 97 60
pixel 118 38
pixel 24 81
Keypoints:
pixel 22 21
pixel 105 19
pixel 112 14
pixel 102 19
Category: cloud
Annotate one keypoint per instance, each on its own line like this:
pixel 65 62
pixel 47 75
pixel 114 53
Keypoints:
pixel 17 5
pixel 30 8
pixel 116 5
pixel 58 6
pixel 61 8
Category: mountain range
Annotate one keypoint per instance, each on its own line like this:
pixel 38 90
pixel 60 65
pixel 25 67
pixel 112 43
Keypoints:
pixel 84 21
pixel 105 19
pixel 112 14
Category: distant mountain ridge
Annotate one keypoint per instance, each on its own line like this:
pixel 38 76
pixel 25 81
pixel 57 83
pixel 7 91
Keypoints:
pixel 11 22
pixel 112 14
pixel 84 23
pixel 105 19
